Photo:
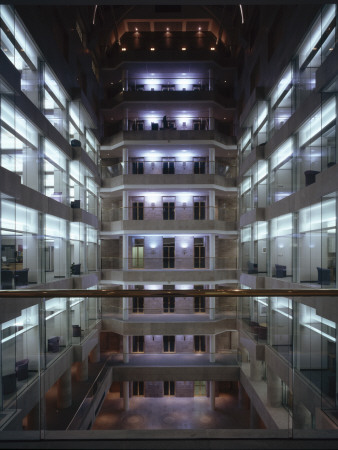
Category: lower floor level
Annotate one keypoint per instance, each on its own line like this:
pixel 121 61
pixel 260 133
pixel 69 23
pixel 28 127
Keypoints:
pixel 232 411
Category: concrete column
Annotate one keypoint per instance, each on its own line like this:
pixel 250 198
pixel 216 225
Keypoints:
pixel 64 390
pixel 212 251
pixel 125 120
pixel 125 313
pixel 212 347
pixel 125 160
pixel 82 370
pixel 126 349
pixel 125 80
pixel 211 160
pixel 211 119
pixel 302 418
pixel 212 203
pixel 125 214
pixel 94 355
pixel 212 394
pixel 125 252
pixel 211 80
pixel 212 302
pixel 256 370
pixel 126 395
pixel 274 388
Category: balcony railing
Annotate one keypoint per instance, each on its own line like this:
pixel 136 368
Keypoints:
pixel 163 84
pixel 198 213
pixel 154 263
pixel 168 167
pixel 294 348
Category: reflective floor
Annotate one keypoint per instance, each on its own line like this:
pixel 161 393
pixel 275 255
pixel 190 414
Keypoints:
pixel 230 412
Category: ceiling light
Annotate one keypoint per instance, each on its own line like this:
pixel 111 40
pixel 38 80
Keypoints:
pixel 124 49
pixel 152 49
pixel 184 49
pixel 212 48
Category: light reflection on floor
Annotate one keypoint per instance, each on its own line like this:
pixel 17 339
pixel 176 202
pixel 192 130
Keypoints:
pixel 173 413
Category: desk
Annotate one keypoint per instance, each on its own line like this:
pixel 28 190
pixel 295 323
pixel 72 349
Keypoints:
pixel 12 266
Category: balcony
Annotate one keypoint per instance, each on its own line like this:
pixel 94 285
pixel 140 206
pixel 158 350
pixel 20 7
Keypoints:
pixel 177 134
pixel 169 92
pixel 168 166
pixel 182 219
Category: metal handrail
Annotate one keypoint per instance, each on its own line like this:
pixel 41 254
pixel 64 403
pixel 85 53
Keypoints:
pixel 118 293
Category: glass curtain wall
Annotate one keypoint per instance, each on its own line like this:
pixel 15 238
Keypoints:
pixel 19 144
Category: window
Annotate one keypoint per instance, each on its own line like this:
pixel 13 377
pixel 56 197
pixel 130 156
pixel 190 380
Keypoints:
pixel 199 210
pixel 200 388
pixel 138 344
pixel 199 302
pixel 169 344
pixel 169 165
pixel 138 254
pixel 168 253
pixel 168 210
pixel 199 253
pixel 138 388
pixel 138 210
pixel 169 387
pixel 138 167
pixel 199 165
pixel 139 125
pixel 138 304
pixel 199 343
pixel 168 304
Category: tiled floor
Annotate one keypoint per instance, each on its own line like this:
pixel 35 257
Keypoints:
pixel 173 413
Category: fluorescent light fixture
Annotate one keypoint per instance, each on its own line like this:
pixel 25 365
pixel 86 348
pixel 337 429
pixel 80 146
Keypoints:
pixel 242 15
pixel 330 338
